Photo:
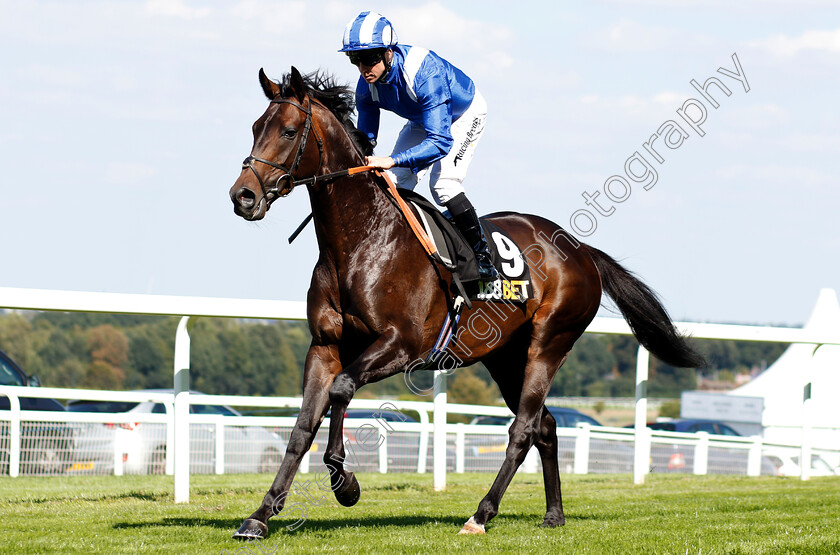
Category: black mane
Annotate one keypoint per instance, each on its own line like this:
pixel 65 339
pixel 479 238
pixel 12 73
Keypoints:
pixel 339 99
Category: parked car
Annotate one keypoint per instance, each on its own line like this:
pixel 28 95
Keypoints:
pixel 565 417
pixel 46 448
pixel 605 456
pixel 693 426
pixel 247 448
pixel 675 458
pixel 786 462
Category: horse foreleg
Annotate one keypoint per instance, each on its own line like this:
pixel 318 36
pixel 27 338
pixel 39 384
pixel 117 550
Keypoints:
pixel 384 357
pixel 344 484
pixel 322 365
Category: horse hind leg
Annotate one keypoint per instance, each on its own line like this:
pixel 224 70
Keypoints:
pixel 528 428
pixel 547 446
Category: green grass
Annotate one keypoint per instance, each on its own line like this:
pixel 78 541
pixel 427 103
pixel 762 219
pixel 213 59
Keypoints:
pixel 401 513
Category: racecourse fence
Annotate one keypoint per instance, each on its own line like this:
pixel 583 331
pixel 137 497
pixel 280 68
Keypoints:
pixel 39 441
pixel 394 438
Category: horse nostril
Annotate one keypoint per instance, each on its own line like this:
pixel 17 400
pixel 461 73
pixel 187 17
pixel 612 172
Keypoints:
pixel 246 198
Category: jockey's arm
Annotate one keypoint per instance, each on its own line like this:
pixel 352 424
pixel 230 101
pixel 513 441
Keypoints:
pixel 368 120
pixel 437 122
pixel 369 125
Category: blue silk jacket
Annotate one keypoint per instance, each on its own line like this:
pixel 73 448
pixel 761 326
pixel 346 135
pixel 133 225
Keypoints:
pixel 423 88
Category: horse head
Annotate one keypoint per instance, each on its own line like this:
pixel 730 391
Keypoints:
pixel 283 150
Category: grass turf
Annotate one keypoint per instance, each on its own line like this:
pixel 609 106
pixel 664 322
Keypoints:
pixel 401 513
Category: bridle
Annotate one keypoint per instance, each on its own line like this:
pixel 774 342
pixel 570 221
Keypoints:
pixel 286 182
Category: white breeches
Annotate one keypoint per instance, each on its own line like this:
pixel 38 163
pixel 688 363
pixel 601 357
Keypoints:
pixel 448 173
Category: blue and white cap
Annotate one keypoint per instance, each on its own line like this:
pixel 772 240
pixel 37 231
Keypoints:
pixel 368 30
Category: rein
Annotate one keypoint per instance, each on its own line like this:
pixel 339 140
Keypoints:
pixel 327 178
pixel 330 177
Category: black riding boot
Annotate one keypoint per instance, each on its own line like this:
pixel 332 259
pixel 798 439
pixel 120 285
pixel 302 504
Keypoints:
pixel 466 220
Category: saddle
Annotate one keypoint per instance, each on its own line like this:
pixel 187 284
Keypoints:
pixel 456 255
pixel 451 249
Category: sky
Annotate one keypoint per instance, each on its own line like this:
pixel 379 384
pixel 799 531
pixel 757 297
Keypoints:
pixel 123 124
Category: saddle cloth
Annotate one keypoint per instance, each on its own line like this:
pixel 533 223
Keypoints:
pixel 453 252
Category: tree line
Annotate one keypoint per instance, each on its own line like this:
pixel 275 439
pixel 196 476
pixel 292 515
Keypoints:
pixel 246 357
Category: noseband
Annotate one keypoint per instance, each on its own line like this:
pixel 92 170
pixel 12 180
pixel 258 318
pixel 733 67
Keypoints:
pixel 286 182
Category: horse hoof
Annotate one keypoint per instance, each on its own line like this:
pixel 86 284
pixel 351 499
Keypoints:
pixel 350 493
pixel 553 522
pixel 251 529
pixel 472 527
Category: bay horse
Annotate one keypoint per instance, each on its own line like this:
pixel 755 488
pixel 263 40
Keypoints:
pixel 377 302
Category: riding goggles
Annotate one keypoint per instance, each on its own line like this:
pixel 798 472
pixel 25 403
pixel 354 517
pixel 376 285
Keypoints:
pixel 367 58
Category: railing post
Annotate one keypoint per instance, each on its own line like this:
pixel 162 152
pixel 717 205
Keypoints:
pixel 383 448
pixel 805 451
pixel 423 449
pixel 182 411
pixel 754 457
pixel 169 458
pixel 529 466
pixel 220 445
pixel 582 448
pixel 119 449
pixel 701 454
pixel 440 430
pixel 641 449
pixel 304 462
pixel 14 434
pixel 459 448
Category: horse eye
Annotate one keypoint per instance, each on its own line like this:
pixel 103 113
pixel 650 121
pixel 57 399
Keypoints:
pixel 289 133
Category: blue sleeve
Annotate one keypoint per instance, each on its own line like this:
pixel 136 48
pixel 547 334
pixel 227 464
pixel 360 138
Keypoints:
pixel 368 120
pixel 435 100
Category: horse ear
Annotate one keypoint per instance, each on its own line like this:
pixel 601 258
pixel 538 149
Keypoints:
pixel 297 85
pixel 269 87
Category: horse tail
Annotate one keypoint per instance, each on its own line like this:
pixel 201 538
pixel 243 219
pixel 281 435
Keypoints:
pixel 644 313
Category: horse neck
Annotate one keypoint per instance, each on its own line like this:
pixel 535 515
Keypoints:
pixel 353 212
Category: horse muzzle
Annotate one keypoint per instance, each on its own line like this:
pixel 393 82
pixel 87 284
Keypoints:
pixel 248 204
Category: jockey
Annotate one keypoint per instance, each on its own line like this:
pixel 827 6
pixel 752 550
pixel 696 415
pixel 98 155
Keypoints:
pixel 445 114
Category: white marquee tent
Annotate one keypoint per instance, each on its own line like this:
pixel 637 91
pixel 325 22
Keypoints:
pixel 783 385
